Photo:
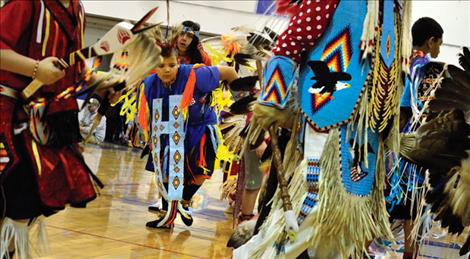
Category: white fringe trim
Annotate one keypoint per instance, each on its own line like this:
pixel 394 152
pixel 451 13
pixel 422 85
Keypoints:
pixel 368 31
pixel 406 43
pixel 16 233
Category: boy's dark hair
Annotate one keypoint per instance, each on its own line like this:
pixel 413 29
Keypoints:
pixel 168 50
pixel 425 28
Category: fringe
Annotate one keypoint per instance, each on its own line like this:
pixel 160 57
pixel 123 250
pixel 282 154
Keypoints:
pixel 39 230
pixel 406 42
pixel 368 32
pixel 229 188
pixel 384 99
pixel 379 210
pixel 271 242
pixel 418 197
pixel 358 219
pixel 292 155
pixel 254 132
pixel 16 233
pixel 392 141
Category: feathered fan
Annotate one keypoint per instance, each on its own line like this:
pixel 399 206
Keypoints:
pixel 442 146
pixel 130 65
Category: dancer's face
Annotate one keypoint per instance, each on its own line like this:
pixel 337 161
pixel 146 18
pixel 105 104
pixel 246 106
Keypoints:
pixel 184 40
pixel 167 70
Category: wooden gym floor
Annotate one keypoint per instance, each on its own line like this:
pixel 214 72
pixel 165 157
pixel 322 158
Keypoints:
pixel 113 226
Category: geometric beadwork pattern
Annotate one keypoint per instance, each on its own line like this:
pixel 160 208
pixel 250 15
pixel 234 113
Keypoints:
pixel 338 52
pixel 177 156
pixel 337 55
pixel 279 75
pixel 176 137
pixel 175 153
pixel 338 48
pixel 156 145
pixel 313 173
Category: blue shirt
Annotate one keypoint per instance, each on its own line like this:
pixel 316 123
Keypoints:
pixel 199 114
pixel 410 93
pixel 207 79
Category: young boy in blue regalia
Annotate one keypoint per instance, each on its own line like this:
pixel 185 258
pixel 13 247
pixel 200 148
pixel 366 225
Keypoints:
pixel 185 89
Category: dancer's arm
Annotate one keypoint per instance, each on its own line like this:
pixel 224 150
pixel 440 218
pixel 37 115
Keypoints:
pixel 227 73
pixel 16 17
pixel 45 70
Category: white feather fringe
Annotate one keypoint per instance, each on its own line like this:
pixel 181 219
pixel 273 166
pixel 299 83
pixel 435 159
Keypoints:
pixel 16 234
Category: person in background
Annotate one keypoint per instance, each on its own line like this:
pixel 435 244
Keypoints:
pixel 86 118
pixel 427 39
pixel 190 50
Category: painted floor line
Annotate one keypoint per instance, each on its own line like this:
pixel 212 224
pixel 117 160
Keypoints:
pixel 123 241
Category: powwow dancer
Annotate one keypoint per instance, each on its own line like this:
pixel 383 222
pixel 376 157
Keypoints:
pixel 37 179
pixel 441 145
pixel 347 109
pixel 406 192
pixel 42 168
pixel 188 44
pixel 190 51
pixel 173 113
pixel 244 50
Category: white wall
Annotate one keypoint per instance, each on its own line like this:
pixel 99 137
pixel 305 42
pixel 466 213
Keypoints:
pixel 214 16
pixel 219 16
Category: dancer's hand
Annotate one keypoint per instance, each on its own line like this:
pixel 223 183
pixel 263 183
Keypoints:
pixel 50 70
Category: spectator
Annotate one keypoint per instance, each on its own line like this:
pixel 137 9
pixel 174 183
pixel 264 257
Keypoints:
pixel 86 119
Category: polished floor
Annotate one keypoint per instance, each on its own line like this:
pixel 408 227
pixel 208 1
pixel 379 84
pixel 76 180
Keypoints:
pixel 113 226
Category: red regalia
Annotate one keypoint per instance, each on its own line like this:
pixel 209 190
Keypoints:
pixel 39 29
